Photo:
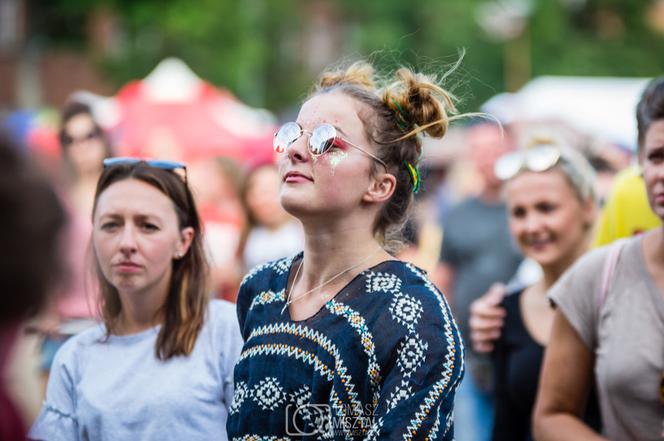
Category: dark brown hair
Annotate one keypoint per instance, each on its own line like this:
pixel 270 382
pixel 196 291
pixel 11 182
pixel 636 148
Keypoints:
pixel 31 226
pixel 399 109
pixel 187 300
pixel 69 111
pixel 650 107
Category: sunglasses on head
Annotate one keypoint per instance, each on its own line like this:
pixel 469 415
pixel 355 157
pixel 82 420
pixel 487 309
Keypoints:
pixel 321 139
pixel 173 166
pixel 537 159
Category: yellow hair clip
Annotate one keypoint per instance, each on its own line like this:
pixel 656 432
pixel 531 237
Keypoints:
pixel 414 175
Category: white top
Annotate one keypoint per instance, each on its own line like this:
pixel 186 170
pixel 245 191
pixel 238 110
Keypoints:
pixel 117 389
pixel 265 245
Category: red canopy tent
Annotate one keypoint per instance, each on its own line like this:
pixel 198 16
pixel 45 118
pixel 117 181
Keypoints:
pixel 173 114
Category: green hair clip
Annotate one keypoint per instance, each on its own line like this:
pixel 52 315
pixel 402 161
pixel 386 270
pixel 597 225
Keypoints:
pixel 414 175
pixel 402 121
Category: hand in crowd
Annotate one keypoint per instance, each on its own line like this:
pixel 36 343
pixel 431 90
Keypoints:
pixel 486 319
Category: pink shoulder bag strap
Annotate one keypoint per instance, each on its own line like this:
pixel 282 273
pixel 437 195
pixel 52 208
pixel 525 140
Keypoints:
pixel 607 273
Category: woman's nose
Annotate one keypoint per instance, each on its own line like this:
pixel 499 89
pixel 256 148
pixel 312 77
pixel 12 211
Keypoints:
pixel 128 240
pixel 297 151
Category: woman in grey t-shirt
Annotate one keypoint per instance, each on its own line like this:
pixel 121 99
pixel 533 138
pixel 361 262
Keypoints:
pixel 613 326
pixel 161 365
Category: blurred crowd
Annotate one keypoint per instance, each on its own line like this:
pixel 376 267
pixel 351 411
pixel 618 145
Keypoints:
pixel 473 230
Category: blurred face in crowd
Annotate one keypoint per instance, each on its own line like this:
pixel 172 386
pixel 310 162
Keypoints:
pixel 136 236
pixel 652 162
pixel 337 180
pixel 486 144
pixel 84 145
pixel 546 217
pixel 262 197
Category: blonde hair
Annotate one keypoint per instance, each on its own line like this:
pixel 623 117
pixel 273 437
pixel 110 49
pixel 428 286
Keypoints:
pixel 407 105
pixel 572 163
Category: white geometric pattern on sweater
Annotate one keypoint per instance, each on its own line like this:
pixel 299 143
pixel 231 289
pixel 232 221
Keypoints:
pixel 268 394
pixel 406 310
pixel 241 392
pixel 412 353
pixel 382 282
pixel 259 438
pixel 267 297
pixel 358 323
pixel 450 358
pixel 280 266
pixel 339 368
pixel 300 399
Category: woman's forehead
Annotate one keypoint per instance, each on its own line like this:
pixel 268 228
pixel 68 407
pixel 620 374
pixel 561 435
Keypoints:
pixel 134 196
pixel 333 108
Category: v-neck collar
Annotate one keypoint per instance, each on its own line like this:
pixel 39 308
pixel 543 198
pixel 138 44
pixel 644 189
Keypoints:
pixel 322 311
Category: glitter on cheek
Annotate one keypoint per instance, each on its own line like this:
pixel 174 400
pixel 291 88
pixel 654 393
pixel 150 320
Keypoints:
pixel 335 158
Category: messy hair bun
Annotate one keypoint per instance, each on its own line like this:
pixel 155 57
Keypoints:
pixel 419 102
pixel 401 108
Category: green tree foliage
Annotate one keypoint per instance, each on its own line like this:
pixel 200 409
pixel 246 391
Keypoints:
pixel 256 48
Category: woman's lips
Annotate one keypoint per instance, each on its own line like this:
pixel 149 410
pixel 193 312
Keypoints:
pixel 294 178
pixel 127 267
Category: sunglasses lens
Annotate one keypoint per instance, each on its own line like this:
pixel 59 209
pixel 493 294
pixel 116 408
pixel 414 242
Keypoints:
pixel 542 158
pixel 285 136
pixel 322 139
pixel 508 166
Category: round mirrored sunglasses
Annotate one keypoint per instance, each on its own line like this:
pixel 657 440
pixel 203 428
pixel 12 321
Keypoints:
pixel 321 139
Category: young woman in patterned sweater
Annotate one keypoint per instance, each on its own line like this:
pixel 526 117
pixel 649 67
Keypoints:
pixel 343 341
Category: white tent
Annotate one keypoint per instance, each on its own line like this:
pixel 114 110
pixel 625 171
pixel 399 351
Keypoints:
pixel 600 107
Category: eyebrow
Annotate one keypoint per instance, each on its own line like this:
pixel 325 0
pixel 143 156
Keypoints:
pixel 340 130
pixel 140 217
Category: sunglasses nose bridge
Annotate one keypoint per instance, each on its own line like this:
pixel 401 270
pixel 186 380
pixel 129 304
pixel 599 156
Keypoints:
pixel 299 147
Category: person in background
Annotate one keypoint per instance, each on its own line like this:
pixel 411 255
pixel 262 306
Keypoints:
pixel 84 146
pixel 626 211
pixel 609 322
pixel 551 205
pixel 343 341
pixel 161 364
pixel 272 233
pixel 216 183
pixel 31 232
pixel 477 252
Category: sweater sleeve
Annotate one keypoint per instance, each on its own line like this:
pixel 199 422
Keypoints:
pixel 417 397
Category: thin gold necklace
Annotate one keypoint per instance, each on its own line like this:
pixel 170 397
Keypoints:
pixel 290 300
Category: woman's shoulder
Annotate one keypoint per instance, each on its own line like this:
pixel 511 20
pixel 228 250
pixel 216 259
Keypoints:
pixel 410 288
pixel 265 272
pixel 75 345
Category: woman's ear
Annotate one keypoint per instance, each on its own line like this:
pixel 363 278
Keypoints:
pixel 186 238
pixel 381 188
pixel 590 211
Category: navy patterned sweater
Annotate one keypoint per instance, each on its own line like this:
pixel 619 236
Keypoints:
pixel 381 360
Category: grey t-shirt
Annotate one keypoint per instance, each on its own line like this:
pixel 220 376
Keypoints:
pixel 627 338
pixel 477 244
pixel 117 389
